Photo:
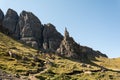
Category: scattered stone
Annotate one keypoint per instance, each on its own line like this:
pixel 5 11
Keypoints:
pixel 13 55
pixel 25 58
pixel 88 66
pixel 6 76
pixel 83 65
pixel 17 75
pixel 87 72
pixel 111 76
pixel 36 59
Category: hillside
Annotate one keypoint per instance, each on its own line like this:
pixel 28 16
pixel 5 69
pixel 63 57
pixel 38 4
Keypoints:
pixel 30 50
pixel 26 63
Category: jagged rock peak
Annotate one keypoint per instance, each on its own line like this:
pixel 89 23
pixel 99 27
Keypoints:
pixel 10 21
pixel 11 11
pixel 51 37
pixel 29 15
pixel 1 16
pixel 68 47
pixel 30 29
pixel 66 33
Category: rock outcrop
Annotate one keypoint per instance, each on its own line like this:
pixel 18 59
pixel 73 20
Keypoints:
pixel 70 49
pixel 30 29
pixel 10 21
pixel 51 37
pixel 1 19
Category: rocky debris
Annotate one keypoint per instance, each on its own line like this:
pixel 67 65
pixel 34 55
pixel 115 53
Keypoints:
pixel 10 21
pixel 24 58
pixel 88 72
pixel 51 37
pixel 13 55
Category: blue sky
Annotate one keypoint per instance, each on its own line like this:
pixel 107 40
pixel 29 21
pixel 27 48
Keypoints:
pixel 93 23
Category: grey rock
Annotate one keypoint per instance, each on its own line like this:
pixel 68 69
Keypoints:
pixel 30 26
pixel 1 17
pixel 26 31
pixel 10 21
pixel 27 39
pixel 68 47
pixel 14 55
pixel 51 37
pixel 1 20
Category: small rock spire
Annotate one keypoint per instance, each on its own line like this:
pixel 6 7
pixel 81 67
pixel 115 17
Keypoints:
pixel 66 33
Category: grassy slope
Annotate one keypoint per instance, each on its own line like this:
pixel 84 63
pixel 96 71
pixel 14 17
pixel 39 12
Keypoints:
pixel 11 64
pixel 57 68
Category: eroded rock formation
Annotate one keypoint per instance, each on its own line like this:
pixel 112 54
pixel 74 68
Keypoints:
pixel 51 37
pixel 10 21
pixel 70 49
pixel 1 19
pixel 29 29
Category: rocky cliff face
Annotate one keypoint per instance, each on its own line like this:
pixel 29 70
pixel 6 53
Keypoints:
pixel 1 19
pixel 51 37
pixel 10 21
pixel 70 49
pixel 29 29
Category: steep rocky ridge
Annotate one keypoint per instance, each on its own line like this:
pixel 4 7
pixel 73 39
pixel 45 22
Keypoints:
pixel 26 63
pixel 52 38
pixel 10 21
pixel 29 29
pixel 70 49
pixel 1 19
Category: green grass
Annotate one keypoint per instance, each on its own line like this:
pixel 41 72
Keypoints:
pixel 57 69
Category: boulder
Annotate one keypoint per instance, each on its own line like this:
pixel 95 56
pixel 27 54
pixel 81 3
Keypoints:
pixel 51 37
pixel 10 21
